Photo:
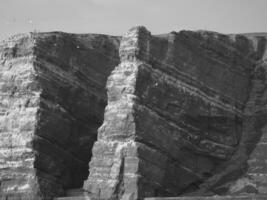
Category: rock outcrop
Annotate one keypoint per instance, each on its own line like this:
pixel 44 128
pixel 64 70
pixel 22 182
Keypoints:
pixel 52 91
pixel 185 115
pixel 185 110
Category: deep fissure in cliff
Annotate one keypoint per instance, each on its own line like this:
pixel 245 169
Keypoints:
pixel 66 74
pixel 188 93
pixel 182 115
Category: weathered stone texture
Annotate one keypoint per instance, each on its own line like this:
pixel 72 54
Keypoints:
pixel 178 119
pixel 19 93
pixel 186 115
pixel 52 102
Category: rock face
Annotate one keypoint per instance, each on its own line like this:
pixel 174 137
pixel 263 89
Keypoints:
pixel 185 113
pixel 52 91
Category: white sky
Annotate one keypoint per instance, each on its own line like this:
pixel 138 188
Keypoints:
pixel 117 16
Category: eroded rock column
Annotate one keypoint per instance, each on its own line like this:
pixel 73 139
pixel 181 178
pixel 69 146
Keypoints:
pixel 114 168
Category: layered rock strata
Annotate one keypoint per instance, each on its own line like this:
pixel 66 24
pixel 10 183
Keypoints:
pixel 52 91
pixel 185 110
pixel 253 146
pixel 186 115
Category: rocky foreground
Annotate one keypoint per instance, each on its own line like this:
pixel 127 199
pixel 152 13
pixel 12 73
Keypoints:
pixel 180 114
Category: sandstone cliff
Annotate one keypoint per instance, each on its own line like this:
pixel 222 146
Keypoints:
pixel 52 90
pixel 185 114
pixel 185 110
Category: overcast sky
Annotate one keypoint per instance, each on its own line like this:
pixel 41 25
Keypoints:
pixel 117 16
